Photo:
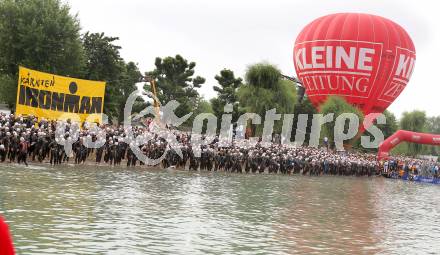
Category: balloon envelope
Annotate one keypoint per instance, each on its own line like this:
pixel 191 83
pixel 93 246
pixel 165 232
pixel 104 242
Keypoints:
pixel 364 58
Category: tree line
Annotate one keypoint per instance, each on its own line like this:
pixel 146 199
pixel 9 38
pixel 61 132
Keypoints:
pixel 44 35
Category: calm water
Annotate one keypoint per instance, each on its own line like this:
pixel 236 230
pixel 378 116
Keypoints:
pixel 101 210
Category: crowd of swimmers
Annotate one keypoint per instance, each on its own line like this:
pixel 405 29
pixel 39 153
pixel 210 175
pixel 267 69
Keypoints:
pixel 400 166
pixel 24 139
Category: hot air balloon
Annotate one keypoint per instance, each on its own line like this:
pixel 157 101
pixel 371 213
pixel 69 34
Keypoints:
pixel 366 59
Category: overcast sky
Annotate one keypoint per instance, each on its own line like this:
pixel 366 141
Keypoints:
pixel 233 34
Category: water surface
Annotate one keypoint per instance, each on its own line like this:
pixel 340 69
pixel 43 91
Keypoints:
pixel 104 210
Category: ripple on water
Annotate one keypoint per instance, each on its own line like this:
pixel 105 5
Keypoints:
pixel 93 210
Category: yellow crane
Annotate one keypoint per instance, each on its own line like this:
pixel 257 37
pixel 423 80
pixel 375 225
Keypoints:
pixel 152 82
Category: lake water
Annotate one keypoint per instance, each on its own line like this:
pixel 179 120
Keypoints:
pixel 103 210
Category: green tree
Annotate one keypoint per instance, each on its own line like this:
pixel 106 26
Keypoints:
pixel 226 94
pixel 130 76
pixel 203 107
pixel 8 88
pixel 401 149
pixel 103 60
pixel 304 107
pixel 263 75
pixel 388 129
pixel 175 81
pixel 391 125
pixel 433 126
pixel 337 105
pixel 263 91
pixel 105 63
pixel 39 34
pixel 414 121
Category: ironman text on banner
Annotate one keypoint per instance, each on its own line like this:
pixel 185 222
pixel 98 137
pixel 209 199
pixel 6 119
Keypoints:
pixel 56 97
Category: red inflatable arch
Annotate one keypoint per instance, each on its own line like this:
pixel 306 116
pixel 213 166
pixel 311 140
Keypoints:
pixel 406 136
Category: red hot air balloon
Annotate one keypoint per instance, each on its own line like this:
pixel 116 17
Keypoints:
pixel 364 58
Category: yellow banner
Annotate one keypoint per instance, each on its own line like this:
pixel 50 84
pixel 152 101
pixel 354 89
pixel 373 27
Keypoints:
pixel 56 97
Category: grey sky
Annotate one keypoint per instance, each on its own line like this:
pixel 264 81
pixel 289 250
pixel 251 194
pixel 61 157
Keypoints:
pixel 233 34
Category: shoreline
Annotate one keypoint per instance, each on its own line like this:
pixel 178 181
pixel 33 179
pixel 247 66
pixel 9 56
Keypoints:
pixel 90 163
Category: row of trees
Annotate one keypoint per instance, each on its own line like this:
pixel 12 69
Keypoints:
pixel 262 90
pixel 43 35
pixel 418 121
pixel 415 120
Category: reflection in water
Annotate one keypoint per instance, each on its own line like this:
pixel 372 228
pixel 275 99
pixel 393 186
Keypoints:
pixel 91 210
pixel 330 214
